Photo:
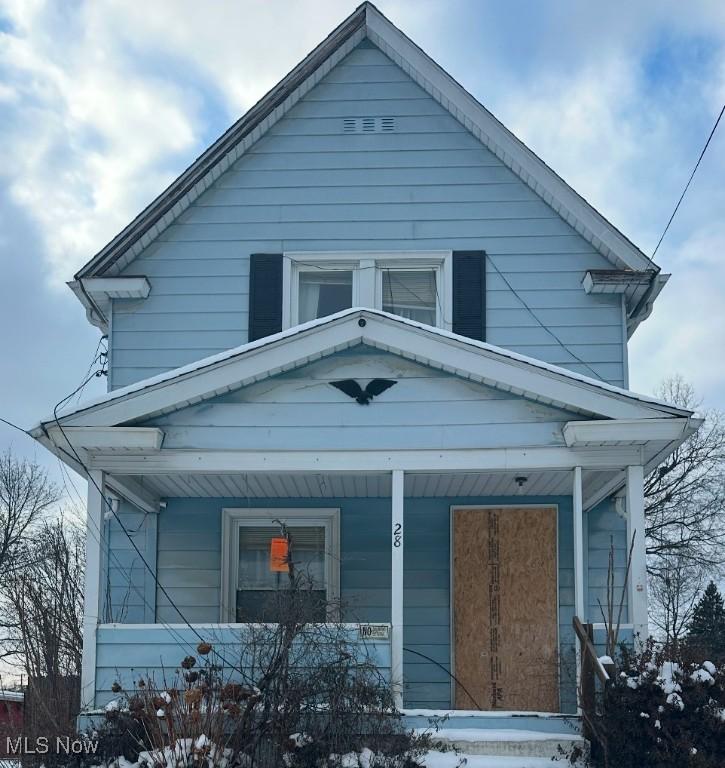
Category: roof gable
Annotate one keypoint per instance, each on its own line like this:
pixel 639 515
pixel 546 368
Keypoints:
pixel 303 409
pixel 477 361
pixel 366 22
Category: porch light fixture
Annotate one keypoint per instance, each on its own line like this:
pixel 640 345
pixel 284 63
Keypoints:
pixel 520 482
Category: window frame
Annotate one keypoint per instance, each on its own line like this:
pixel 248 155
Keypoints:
pixel 367 285
pixel 233 518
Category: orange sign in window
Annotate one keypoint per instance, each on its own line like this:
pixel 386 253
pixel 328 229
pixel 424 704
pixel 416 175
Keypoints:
pixel 279 555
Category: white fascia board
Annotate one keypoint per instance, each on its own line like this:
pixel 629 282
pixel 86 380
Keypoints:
pixel 468 460
pixel 96 294
pixel 616 282
pixel 118 287
pixel 514 153
pixel 455 354
pixel 135 493
pixel 289 349
pixel 101 439
pixel 241 370
pixel 582 433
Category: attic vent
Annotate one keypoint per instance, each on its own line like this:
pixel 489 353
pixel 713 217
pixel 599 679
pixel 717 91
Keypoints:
pixel 368 125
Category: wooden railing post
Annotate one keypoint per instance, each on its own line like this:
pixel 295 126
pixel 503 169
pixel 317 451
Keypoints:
pixel 588 690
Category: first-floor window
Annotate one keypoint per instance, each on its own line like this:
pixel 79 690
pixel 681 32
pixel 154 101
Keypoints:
pixel 253 583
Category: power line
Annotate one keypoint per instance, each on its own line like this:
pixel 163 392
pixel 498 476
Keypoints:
pixel 14 426
pixel 535 316
pixel 123 528
pixel 689 181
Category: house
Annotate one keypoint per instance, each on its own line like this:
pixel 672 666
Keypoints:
pixel 368 219
pixel 11 716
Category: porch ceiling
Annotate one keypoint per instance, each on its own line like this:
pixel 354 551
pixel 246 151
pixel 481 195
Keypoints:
pixel 369 485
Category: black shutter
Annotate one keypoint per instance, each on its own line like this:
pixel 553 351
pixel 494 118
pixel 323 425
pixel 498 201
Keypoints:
pixel 265 295
pixel 469 294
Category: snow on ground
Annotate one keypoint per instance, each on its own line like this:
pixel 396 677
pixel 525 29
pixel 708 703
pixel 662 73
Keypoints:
pixel 453 760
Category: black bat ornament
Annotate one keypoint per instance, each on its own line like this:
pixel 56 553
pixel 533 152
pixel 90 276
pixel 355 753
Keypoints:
pixel 352 389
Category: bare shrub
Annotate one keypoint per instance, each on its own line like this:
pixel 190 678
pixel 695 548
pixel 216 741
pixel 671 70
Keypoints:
pixel 301 692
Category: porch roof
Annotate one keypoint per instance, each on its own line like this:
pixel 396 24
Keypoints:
pixel 616 427
pixel 252 362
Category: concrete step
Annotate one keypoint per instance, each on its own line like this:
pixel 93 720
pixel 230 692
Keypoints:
pixel 509 742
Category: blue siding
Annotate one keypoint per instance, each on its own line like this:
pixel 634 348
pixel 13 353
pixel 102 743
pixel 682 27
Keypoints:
pixel 189 563
pixel 126 654
pixel 129 589
pixel 605 527
pixel 299 410
pixel 307 186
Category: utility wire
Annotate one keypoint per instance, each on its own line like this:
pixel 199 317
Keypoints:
pixel 536 317
pixel 689 181
pixel 123 528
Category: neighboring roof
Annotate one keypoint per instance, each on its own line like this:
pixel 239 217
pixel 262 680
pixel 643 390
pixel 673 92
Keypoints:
pixel 257 360
pixel 18 696
pixel 368 21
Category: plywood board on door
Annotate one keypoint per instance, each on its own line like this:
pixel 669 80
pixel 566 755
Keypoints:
pixel 505 608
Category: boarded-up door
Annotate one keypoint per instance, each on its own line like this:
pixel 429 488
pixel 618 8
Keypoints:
pixel 505 608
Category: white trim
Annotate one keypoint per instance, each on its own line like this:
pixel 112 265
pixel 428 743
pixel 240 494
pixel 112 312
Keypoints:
pixel 91 597
pixel 612 281
pixel 636 530
pixel 596 432
pixel 366 286
pixel 212 626
pixel 134 492
pixel 97 293
pixel 233 517
pixel 604 492
pixel 475 460
pixel 579 604
pixel 436 347
pixel 118 287
pixel 397 541
pixel 100 439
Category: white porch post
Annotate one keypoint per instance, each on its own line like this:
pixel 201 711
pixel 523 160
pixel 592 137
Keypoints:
pixel 579 609
pixel 638 570
pixel 396 596
pixel 91 605
pixel 578 515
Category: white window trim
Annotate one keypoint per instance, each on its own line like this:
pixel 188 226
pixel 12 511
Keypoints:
pixel 367 286
pixel 234 517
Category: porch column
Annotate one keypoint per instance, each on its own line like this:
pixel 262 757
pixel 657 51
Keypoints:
pixel 579 608
pixel 396 587
pixel 91 604
pixel 578 518
pixel 638 569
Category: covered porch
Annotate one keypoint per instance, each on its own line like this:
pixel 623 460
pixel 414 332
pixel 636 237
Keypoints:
pixel 404 581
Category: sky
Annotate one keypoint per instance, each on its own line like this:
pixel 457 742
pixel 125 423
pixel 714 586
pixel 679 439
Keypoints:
pixel 103 103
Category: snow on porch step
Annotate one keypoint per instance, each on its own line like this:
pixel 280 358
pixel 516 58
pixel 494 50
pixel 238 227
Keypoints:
pixel 513 742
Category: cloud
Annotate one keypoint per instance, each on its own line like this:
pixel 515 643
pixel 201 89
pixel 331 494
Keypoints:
pixel 103 103
pixel 91 137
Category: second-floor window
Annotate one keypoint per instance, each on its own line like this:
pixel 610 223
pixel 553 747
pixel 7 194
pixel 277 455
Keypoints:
pixel 413 285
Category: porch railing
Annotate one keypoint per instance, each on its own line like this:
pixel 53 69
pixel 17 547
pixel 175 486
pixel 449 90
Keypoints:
pixel 127 652
pixel 591 671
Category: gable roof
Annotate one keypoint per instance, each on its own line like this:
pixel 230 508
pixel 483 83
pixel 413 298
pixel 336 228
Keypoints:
pixel 261 359
pixel 368 22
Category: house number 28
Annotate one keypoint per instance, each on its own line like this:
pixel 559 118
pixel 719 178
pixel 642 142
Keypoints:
pixel 398 535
